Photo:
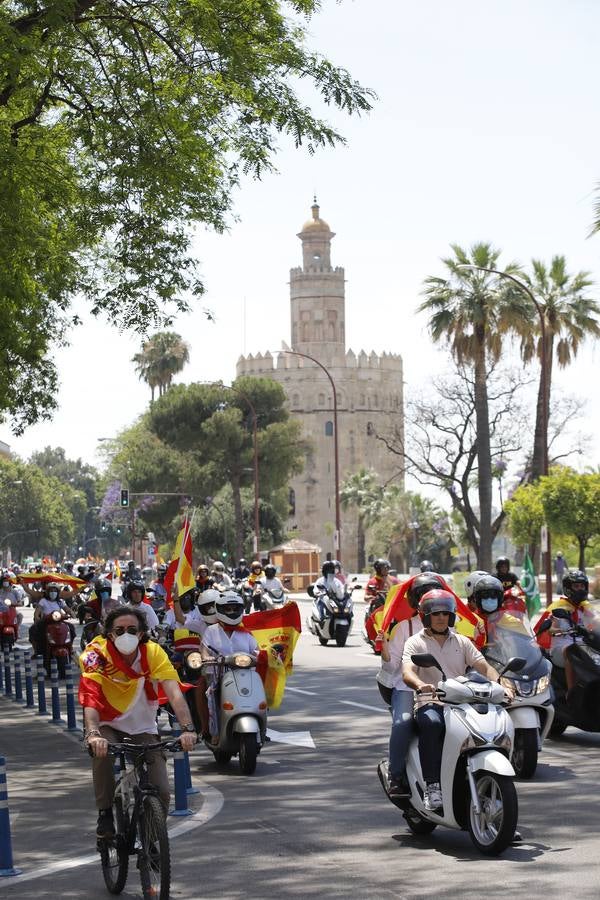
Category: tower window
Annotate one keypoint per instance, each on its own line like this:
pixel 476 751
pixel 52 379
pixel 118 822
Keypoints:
pixel 321 399
pixel 370 429
pixel 329 429
pixel 296 400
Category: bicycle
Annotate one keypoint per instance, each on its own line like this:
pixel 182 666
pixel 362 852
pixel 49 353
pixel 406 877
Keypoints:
pixel 140 826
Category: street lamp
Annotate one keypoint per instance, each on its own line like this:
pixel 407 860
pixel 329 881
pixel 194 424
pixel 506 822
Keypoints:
pixel 338 524
pixel 545 399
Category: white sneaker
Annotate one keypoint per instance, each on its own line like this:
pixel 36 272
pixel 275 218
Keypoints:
pixel 432 798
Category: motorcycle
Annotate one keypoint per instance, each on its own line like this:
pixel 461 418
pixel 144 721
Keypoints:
pixel 531 709
pixel 581 706
pixel 371 627
pixel 91 628
pixel 476 776
pixel 59 643
pixel 273 599
pixel 330 617
pixel 9 626
pixel 236 691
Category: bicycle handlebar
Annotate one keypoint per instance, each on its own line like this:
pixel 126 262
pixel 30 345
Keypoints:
pixel 172 745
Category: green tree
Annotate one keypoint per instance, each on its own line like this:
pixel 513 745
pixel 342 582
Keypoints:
pixel 122 127
pixel 569 317
pixel 471 312
pixel 572 505
pixel 211 425
pixel 81 478
pixel 162 356
pixel 525 514
pixel 362 491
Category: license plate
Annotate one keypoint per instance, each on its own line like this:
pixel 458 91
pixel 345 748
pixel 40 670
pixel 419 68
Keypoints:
pixel 342 622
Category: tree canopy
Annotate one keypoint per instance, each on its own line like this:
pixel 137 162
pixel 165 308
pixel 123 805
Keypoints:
pixel 123 125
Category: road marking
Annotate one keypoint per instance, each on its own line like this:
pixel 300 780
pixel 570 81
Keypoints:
pixel 212 805
pixel 300 691
pixel 295 738
pixel 376 709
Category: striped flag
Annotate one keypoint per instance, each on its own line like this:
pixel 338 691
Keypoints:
pixel 180 571
pixel 530 586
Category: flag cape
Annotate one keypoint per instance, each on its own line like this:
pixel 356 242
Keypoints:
pixel 529 585
pixel 276 632
pixel 46 578
pixel 545 639
pixel 397 608
pixel 108 685
pixel 117 569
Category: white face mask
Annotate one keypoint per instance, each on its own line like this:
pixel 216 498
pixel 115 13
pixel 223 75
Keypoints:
pixel 52 595
pixel 126 643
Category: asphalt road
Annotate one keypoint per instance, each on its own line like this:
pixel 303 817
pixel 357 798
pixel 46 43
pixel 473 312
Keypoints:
pixel 315 822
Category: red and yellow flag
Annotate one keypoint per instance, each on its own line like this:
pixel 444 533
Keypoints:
pixel 276 631
pixel 46 577
pixel 180 571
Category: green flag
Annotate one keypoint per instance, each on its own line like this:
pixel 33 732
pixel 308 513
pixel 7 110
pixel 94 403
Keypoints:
pixel 529 585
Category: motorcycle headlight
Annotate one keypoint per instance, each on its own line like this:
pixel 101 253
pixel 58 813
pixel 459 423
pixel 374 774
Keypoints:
pixel 335 608
pixel 242 661
pixel 543 684
pixel 193 660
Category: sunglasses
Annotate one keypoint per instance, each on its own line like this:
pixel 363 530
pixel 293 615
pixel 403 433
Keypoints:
pixel 120 629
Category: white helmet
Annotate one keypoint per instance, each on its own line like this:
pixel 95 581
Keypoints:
pixel 207 604
pixel 218 567
pixel 471 580
pixel 230 608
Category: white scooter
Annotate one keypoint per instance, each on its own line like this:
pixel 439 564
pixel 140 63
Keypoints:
pixel 237 697
pixel 331 617
pixel 273 598
pixel 531 710
pixel 476 775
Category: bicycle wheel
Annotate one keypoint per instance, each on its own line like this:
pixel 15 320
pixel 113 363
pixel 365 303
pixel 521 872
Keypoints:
pixel 114 853
pixel 154 858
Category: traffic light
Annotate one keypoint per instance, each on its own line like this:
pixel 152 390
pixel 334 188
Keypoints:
pixel 224 554
pixel 103 526
pixel 124 497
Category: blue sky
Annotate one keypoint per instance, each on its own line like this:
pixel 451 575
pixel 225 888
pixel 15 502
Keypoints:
pixel 487 127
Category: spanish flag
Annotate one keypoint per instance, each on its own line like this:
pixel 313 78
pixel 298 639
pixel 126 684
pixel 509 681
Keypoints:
pixel 180 570
pixel 276 631
pixel 397 608
pixel 55 578
pixel 109 685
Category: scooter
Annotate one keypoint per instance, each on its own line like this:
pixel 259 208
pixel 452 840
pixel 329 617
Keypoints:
pixel 91 627
pixel 581 707
pixel 9 626
pixel 273 599
pixel 236 698
pixel 330 618
pixel 476 775
pixel 531 709
pixel 59 643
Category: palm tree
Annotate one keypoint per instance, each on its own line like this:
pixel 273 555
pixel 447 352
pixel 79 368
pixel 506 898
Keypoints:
pixel 569 318
pixel 162 356
pixel 471 311
pixel 362 490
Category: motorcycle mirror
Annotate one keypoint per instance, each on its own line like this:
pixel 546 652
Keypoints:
pixel 427 661
pixel 561 614
pixel 545 626
pixel 310 590
pixel 514 664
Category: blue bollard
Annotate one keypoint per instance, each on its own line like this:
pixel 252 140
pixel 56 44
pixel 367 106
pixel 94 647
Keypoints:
pixel 41 686
pixel 181 801
pixel 18 680
pixel 1 678
pixel 29 701
pixel 6 857
pixel 71 716
pixel 7 675
pixel 54 687
pixel 189 787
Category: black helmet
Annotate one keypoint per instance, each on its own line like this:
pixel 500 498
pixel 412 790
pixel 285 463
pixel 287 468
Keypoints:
pixel 242 562
pixel 68 566
pixel 102 586
pixel 136 584
pixel 187 601
pixel 437 600
pixel 426 566
pixel 503 561
pixel 380 564
pixel 576 585
pixel 328 568
pixel 270 571
pixel 421 585
pixel 488 594
pixel 162 569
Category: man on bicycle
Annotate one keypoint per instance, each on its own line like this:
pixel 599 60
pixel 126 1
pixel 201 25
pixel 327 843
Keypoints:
pixel 118 691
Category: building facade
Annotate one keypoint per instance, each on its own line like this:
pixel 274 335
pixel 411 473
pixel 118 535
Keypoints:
pixel 368 388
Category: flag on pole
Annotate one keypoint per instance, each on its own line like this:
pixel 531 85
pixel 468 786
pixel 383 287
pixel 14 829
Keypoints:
pixel 530 586
pixel 276 631
pixel 180 571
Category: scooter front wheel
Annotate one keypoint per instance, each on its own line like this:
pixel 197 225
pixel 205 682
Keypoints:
pixel 493 828
pixel 248 753
pixel 525 752
pixel 322 640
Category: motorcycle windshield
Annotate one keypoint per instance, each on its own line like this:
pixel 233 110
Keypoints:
pixel 510 636
pixel 276 594
pixel 590 616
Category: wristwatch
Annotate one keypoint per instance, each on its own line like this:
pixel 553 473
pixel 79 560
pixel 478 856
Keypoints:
pixel 189 726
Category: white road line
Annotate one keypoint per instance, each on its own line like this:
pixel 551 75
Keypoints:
pixel 300 691
pixel 212 805
pixel 376 709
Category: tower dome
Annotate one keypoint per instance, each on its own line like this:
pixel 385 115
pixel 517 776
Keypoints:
pixel 316 223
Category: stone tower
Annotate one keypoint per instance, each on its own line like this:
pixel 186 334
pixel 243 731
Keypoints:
pixel 368 388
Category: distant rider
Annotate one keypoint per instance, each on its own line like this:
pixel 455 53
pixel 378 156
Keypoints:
pixel 134 593
pixel 503 573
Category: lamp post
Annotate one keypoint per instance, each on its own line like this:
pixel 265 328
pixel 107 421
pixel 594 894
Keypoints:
pixel 338 523
pixel 543 380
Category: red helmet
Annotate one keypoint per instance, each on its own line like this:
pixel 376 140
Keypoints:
pixel 437 600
